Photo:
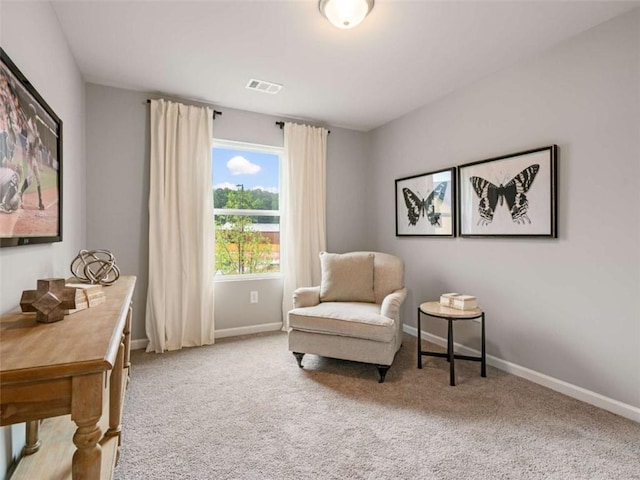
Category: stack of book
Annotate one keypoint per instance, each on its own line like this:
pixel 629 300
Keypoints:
pixel 459 302
pixel 446 299
pixel 87 296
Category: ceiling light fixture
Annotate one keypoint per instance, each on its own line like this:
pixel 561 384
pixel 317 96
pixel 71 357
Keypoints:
pixel 345 13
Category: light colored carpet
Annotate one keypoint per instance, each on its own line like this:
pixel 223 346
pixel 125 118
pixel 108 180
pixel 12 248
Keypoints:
pixel 242 409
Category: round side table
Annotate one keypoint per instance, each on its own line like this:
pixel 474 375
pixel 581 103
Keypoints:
pixel 434 309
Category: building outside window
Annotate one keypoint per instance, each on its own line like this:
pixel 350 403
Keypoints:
pixel 246 202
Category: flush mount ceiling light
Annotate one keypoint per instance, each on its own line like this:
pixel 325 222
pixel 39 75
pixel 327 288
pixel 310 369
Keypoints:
pixel 345 13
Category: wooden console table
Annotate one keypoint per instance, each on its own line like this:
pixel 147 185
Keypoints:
pixel 78 367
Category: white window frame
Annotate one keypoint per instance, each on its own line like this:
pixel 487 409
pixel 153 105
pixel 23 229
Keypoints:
pixel 250 147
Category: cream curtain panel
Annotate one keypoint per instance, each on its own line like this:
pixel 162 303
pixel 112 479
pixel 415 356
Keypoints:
pixel 304 226
pixel 181 231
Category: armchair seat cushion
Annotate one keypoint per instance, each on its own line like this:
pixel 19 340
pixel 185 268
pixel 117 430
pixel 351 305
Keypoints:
pixel 348 319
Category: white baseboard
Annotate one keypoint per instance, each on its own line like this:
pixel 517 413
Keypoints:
pixel 139 344
pixel 579 393
pixel 142 343
pixel 234 332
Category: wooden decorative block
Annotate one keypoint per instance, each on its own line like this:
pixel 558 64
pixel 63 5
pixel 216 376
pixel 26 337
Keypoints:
pixel 50 300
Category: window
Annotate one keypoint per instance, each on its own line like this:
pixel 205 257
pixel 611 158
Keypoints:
pixel 246 208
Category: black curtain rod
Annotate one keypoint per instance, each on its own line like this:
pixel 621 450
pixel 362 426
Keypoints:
pixel 281 125
pixel 215 112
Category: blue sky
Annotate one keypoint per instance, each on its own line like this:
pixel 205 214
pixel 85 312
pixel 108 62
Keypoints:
pixel 251 169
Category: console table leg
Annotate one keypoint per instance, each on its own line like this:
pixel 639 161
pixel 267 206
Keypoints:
pixel 127 342
pixel 115 395
pixel 86 460
pixel 32 444
pixel 86 409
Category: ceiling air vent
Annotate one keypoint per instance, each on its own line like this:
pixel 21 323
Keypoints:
pixel 264 87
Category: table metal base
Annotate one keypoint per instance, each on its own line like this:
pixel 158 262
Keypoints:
pixel 451 356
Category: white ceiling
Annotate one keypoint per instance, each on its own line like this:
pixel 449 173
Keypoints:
pixel 404 55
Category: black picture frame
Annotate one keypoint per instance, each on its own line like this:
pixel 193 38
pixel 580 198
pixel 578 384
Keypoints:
pixel 30 162
pixel 425 204
pixel 513 195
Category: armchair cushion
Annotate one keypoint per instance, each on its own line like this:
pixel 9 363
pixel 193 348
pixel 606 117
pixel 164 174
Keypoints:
pixel 347 277
pixel 347 319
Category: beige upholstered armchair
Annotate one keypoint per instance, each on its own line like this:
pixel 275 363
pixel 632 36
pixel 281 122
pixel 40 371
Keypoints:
pixel 354 314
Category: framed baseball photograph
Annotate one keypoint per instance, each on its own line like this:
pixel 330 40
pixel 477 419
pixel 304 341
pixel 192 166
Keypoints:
pixel 425 204
pixel 509 196
pixel 30 162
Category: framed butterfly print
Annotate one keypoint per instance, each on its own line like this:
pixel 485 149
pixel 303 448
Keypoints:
pixel 425 204
pixel 512 195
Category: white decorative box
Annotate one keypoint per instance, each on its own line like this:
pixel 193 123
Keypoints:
pixel 446 299
pixel 465 302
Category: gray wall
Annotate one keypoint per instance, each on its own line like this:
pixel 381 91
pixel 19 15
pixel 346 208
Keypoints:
pixel 43 55
pixel 118 184
pixel 565 307
pixel 118 188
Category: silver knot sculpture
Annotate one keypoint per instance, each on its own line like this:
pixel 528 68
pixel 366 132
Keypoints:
pixel 95 267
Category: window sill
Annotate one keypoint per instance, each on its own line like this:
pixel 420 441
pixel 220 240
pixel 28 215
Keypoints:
pixel 247 277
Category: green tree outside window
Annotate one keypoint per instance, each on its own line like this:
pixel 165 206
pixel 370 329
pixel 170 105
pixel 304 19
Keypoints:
pixel 241 249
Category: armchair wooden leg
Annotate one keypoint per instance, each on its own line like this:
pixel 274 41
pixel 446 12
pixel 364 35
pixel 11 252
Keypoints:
pixel 382 370
pixel 298 358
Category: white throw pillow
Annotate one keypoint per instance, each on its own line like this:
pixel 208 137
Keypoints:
pixel 347 277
